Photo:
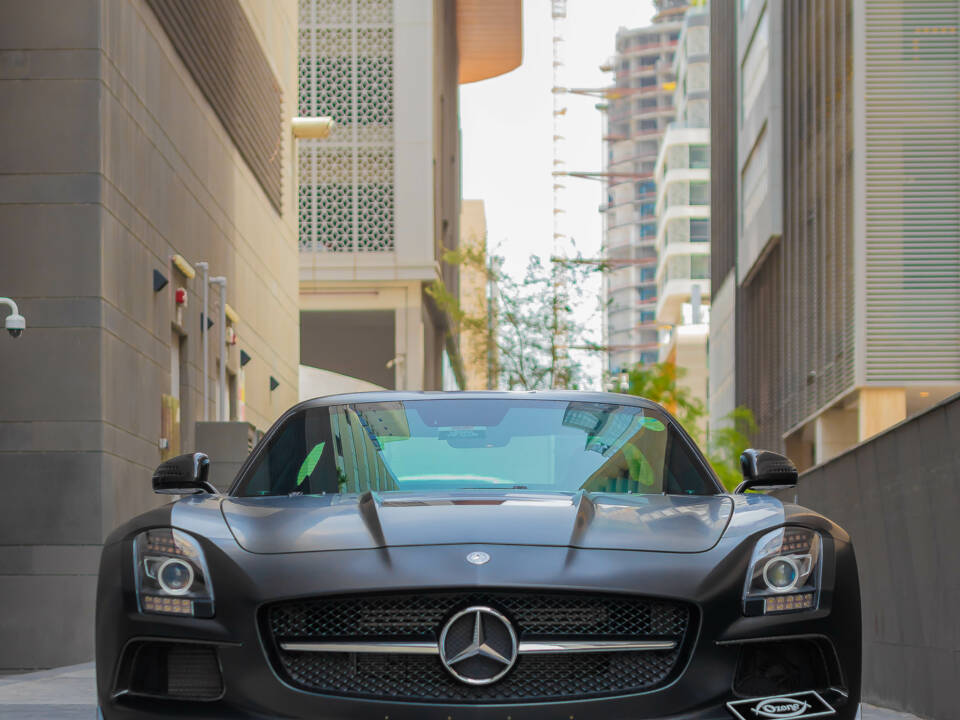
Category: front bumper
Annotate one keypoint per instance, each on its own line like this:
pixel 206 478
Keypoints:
pixel 243 582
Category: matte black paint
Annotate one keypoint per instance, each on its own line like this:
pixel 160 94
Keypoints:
pixel 665 523
pixel 556 542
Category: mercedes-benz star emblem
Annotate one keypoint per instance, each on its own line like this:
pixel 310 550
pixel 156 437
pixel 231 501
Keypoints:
pixel 478 646
pixel 478 558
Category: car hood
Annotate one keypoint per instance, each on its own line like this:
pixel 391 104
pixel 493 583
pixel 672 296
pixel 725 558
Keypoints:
pixel 660 523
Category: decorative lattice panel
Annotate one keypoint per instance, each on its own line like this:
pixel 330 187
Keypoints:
pixel 346 197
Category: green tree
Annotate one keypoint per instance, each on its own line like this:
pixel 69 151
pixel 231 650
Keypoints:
pixel 728 442
pixel 529 330
pixel 658 382
pixel 535 327
pixel 479 327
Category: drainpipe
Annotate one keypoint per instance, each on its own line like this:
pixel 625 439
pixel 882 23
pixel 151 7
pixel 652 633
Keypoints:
pixel 205 269
pixel 222 282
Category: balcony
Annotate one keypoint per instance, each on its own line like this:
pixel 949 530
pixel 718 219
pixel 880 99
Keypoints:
pixel 648 47
pixel 674 293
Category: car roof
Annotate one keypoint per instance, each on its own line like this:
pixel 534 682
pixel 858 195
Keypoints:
pixel 407 395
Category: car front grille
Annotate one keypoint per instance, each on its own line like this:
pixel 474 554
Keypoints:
pixel 420 618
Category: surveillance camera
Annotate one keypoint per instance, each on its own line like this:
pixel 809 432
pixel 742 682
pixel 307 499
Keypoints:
pixel 15 324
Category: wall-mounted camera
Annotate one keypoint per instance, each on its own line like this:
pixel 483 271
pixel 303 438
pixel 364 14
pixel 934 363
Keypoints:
pixel 15 322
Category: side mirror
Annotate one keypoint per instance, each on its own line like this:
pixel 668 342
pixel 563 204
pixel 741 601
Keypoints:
pixel 184 475
pixel 763 469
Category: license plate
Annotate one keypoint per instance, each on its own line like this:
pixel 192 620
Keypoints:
pixel 807 704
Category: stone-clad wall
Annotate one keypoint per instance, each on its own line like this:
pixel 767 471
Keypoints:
pixel 898 495
pixel 111 160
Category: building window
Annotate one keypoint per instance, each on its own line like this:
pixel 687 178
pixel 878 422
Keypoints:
pixel 755 68
pixel 646 82
pixel 699 230
pixel 699 193
pixel 648 209
pixel 647 103
pixel 648 148
pixel 647 187
pixel 699 156
pixel 649 124
pixel 700 267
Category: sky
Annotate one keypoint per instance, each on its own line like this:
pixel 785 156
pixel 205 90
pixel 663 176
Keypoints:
pixel 507 127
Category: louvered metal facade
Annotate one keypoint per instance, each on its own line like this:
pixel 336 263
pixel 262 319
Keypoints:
pixel 796 332
pixel 909 215
pixel 863 288
pixel 224 56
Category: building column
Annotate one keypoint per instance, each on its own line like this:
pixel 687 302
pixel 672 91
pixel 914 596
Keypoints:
pixel 835 431
pixel 409 343
pixel 879 409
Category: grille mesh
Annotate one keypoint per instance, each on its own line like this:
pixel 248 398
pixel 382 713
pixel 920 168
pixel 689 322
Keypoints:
pixel 421 617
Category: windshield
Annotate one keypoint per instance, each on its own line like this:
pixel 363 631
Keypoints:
pixel 477 444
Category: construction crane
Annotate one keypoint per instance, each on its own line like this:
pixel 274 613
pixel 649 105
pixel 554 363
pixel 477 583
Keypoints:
pixel 604 175
pixel 559 361
pixel 611 262
pixel 558 13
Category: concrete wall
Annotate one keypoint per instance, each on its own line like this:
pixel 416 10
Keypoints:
pixel 721 349
pixel 899 498
pixel 357 343
pixel 112 162
pixel 760 132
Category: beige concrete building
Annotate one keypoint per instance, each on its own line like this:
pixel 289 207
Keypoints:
pixel 475 346
pixel 125 140
pixel 379 200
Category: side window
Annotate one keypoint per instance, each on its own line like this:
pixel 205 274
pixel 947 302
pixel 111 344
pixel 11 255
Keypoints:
pixel 276 473
pixel 684 476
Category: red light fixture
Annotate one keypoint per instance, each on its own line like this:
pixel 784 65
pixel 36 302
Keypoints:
pixel 180 297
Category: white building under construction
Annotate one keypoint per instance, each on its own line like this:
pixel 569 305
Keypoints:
pixel 639 109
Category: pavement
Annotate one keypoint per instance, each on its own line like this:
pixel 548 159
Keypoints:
pixel 68 693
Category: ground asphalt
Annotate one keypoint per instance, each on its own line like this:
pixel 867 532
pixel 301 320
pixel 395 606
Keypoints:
pixel 68 694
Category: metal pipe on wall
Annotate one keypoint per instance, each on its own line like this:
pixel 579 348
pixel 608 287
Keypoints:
pixel 205 269
pixel 222 390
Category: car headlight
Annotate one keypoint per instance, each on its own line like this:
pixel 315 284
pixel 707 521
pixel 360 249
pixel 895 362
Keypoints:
pixel 171 574
pixel 784 574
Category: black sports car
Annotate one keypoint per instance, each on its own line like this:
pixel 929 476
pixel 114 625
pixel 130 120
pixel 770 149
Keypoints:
pixel 478 555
